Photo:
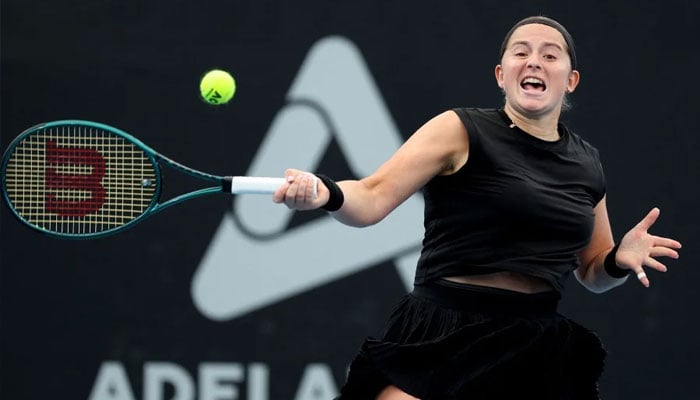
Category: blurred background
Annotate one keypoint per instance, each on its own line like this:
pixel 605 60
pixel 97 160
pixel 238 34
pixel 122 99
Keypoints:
pixel 224 298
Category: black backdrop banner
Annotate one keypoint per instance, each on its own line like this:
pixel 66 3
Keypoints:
pixel 238 298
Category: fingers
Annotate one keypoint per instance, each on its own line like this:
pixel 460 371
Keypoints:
pixel 644 248
pixel 314 188
pixel 666 242
pixel 642 277
pixel 280 195
pixel 649 219
pixel 651 263
pixel 299 192
pixel 662 247
pixel 302 189
pixel 663 252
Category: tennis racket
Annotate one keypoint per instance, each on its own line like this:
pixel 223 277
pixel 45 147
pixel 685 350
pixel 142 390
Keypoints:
pixel 82 179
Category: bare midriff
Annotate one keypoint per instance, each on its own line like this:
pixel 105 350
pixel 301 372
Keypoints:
pixel 505 280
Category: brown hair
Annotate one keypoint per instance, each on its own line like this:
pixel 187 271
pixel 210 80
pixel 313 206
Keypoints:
pixel 544 21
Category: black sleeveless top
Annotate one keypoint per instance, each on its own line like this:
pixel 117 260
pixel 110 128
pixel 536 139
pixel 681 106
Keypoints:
pixel 519 204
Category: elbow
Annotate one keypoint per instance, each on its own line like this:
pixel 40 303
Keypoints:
pixel 590 286
pixel 362 217
pixel 357 221
pixel 596 289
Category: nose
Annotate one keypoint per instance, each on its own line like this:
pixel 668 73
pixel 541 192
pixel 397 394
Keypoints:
pixel 534 61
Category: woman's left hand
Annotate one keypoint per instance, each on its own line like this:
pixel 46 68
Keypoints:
pixel 639 249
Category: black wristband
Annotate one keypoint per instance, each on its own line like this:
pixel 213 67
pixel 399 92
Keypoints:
pixel 336 197
pixel 611 266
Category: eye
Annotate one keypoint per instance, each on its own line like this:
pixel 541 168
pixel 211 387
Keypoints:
pixel 550 57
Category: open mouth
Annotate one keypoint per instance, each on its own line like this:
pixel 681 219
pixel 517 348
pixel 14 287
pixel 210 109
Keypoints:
pixel 531 83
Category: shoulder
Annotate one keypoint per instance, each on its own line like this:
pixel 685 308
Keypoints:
pixel 477 120
pixel 447 121
pixel 470 115
pixel 444 137
pixel 578 143
pixel 589 157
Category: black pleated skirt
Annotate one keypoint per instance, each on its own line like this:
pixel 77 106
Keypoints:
pixel 449 341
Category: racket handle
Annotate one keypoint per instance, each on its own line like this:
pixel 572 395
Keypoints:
pixel 253 184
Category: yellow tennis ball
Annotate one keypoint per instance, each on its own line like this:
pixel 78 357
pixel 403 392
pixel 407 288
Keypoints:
pixel 217 87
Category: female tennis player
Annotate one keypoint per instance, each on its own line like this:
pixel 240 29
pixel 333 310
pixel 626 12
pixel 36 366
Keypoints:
pixel 514 203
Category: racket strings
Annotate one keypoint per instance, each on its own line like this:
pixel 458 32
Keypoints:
pixel 76 179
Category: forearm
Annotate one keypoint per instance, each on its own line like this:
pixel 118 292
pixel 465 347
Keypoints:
pixel 361 205
pixel 596 278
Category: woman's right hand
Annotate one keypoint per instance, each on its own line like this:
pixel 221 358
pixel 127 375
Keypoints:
pixel 301 191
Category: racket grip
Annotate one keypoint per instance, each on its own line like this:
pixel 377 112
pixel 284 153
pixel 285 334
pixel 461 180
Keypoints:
pixel 253 184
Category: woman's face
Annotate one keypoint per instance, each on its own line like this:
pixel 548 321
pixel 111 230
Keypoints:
pixel 535 71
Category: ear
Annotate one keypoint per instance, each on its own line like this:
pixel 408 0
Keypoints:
pixel 574 77
pixel 499 75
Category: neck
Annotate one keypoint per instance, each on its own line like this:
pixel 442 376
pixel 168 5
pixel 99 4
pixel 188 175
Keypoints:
pixel 542 127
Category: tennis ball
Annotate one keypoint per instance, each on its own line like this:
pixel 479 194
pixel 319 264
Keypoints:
pixel 217 87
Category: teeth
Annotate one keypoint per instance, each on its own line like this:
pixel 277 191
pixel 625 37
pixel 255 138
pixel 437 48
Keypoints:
pixel 533 81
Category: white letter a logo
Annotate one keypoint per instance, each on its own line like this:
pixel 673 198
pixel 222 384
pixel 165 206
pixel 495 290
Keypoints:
pixel 254 259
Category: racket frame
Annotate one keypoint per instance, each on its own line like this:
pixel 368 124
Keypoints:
pixel 224 184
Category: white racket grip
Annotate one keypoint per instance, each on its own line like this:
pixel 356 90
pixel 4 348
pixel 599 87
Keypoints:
pixel 255 185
